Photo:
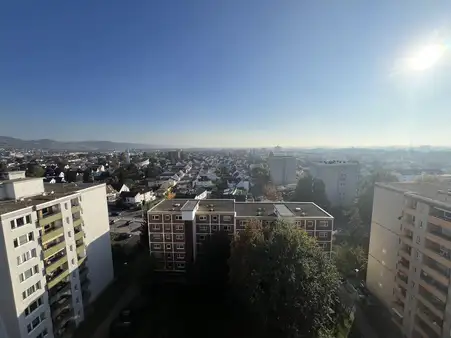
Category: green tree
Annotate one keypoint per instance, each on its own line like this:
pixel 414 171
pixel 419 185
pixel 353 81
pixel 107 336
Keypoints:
pixel 34 170
pixel 3 167
pixel 348 258
pixel 313 190
pixel 290 284
pixel 364 204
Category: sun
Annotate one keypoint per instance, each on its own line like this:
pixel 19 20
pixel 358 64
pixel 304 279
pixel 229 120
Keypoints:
pixel 426 57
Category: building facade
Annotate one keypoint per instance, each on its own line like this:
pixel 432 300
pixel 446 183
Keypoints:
pixel 341 180
pixel 282 169
pixel 179 227
pixel 409 258
pixel 55 254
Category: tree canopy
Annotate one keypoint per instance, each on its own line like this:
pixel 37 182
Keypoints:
pixel 34 170
pixel 309 189
pixel 287 279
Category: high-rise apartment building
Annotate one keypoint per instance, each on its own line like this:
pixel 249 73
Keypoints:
pixel 282 169
pixel 55 254
pixel 341 180
pixel 409 258
pixel 178 227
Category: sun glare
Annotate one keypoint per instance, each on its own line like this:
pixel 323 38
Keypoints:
pixel 426 57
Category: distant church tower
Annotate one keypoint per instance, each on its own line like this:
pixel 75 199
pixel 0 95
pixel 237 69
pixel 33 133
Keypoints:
pixel 127 156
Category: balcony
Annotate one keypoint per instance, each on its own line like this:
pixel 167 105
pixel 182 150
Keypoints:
pixel 438 235
pixel 52 248
pixel 402 279
pixel 436 270
pixel 77 221
pixel 404 265
pixel 411 210
pixel 434 323
pixel 408 225
pixel 436 306
pixel 75 209
pixel 425 328
pixel 79 235
pixel 55 262
pixel 59 306
pixel 398 307
pixel 57 276
pixel 405 251
pixel 407 237
pixel 62 319
pixel 438 290
pixel 440 218
pixel 52 233
pixel 63 289
pixel 438 253
pixel 50 217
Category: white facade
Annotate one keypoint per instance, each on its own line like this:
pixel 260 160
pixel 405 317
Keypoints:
pixel 44 248
pixel 282 169
pixel 140 197
pixel 341 180
pixel 409 257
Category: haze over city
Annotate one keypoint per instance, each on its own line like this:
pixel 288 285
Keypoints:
pixel 227 74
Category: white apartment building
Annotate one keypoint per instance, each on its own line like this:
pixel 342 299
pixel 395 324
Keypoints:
pixel 341 180
pixel 282 169
pixel 55 254
pixel 409 258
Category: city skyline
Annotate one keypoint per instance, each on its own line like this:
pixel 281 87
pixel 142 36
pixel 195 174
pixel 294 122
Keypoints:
pixel 233 74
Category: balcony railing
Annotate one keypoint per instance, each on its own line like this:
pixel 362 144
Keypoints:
pixel 53 247
pixel 438 253
pixel 430 333
pixel 440 218
pixel 79 235
pixel 57 276
pixel 55 262
pixel 75 208
pixel 59 306
pixel 77 222
pixel 438 290
pixel 429 318
pixel 434 304
pixel 50 218
pixel 52 233
pixel 61 290
pixel 402 279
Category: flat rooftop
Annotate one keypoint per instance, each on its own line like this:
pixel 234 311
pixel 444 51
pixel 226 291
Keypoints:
pixel 221 205
pixel 297 209
pixel 175 204
pixel 425 189
pixel 53 192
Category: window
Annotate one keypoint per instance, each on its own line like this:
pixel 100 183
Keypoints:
pixel 67 220
pixel 43 334
pixel 168 247
pixel 180 256
pixel 33 306
pixel 72 261
pixel 167 217
pixel 309 223
pixel 179 227
pixel 203 228
pixel 31 290
pixel 180 265
pixel 35 322
pixel 202 218
pixel 155 227
pixel 226 227
pixel 65 205
pixel 421 224
pixel 323 224
pixel 297 223
pixel 214 228
pixel 243 223
pixel 76 287
pixel 303 223
pixel 180 246
pixel 179 237
pixel 418 255
pixel 167 227
pixel 167 237
pixel 169 256
pixel 178 217
pixel 28 219
pixel 157 237
pixel 215 218
pixel 20 222
pixel 23 239
pixel 227 218
pixel 322 234
pixel 155 217
pixel 418 240
pixel 157 246
pixel 71 247
pixel 77 300
pixel 26 256
pixel 69 233
pixel 202 238
pixel 74 274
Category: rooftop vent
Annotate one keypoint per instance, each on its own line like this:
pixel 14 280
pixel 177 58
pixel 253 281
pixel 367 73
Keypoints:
pixel 44 194
pixel 298 209
pixel 303 214
pixel 211 209
pixel 176 204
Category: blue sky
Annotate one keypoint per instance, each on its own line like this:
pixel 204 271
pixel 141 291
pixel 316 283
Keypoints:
pixel 224 73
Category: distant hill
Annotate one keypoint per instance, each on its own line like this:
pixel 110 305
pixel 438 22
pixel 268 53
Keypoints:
pixel 11 142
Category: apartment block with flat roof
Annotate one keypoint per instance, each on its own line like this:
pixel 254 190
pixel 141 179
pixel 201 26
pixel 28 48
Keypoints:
pixel 410 256
pixel 179 227
pixel 47 233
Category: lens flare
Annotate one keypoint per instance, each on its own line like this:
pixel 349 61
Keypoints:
pixel 426 57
